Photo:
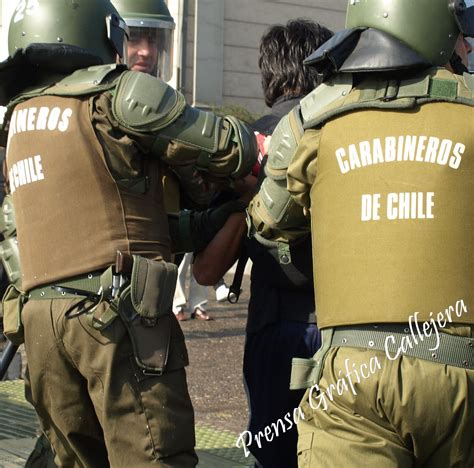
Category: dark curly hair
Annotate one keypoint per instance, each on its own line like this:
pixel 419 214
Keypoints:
pixel 282 51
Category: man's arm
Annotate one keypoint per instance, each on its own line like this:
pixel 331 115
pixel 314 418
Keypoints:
pixel 275 216
pixel 211 264
pixel 214 261
pixel 191 231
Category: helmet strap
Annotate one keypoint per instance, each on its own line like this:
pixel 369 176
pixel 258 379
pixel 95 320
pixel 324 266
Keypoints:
pixel 457 65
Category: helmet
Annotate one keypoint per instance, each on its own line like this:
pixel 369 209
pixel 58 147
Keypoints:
pixel 93 25
pixel 151 36
pixel 430 27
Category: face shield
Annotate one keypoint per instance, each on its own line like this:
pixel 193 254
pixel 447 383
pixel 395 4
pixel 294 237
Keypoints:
pixel 150 47
pixel 117 33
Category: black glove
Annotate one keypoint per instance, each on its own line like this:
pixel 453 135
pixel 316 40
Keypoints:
pixel 191 231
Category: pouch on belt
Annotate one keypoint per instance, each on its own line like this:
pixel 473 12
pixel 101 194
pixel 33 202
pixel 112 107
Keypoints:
pixel 145 306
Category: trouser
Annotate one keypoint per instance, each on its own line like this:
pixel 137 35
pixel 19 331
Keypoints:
pixel 42 455
pixel 197 293
pixel 267 367
pixel 94 403
pixel 370 411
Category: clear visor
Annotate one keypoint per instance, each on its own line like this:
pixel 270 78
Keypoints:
pixel 117 33
pixel 150 48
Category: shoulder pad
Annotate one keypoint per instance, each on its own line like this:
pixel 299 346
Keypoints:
pixel 144 103
pixel 85 81
pixel 325 96
pixel 283 144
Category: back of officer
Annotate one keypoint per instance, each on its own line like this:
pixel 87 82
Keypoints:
pixel 385 166
pixel 87 140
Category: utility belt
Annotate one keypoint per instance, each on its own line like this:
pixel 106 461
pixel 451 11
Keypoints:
pixel 138 290
pixel 395 340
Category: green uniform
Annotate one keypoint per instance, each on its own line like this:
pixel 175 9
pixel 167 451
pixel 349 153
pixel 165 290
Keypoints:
pixel 389 193
pixel 380 155
pixel 394 190
pixel 406 412
pixel 109 388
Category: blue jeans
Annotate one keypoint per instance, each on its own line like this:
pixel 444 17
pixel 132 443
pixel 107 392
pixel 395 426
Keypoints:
pixel 267 370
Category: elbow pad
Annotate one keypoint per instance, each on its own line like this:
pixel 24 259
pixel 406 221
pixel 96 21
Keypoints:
pixel 246 143
pixel 142 103
pixel 228 147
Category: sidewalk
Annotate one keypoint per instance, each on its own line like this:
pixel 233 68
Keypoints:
pixel 18 426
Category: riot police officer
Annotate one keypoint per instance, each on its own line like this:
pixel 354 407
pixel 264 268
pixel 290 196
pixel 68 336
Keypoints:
pixel 150 43
pixel 381 157
pixel 87 140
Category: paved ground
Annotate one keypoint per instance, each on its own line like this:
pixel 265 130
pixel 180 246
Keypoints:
pixel 215 372
pixel 215 382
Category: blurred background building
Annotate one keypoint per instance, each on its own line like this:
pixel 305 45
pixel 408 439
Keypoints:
pixel 216 44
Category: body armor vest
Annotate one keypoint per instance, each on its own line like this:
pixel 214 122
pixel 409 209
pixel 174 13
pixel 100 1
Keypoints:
pixel 72 214
pixel 392 207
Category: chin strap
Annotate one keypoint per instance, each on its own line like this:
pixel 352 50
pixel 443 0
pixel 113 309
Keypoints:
pixel 457 65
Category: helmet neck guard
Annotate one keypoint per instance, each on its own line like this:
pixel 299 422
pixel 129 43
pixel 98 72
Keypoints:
pixel 364 50
pixel 29 66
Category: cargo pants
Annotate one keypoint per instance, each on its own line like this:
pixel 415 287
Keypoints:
pixel 367 410
pixel 95 405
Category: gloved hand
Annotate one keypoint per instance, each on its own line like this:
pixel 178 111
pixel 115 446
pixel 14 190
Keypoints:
pixel 191 231
pixel 206 224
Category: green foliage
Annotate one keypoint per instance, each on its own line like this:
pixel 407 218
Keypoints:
pixel 236 111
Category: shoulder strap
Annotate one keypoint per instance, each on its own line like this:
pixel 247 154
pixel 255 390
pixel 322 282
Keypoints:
pixel 235 287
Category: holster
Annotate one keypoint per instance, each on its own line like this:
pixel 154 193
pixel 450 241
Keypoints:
pixel 145 307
